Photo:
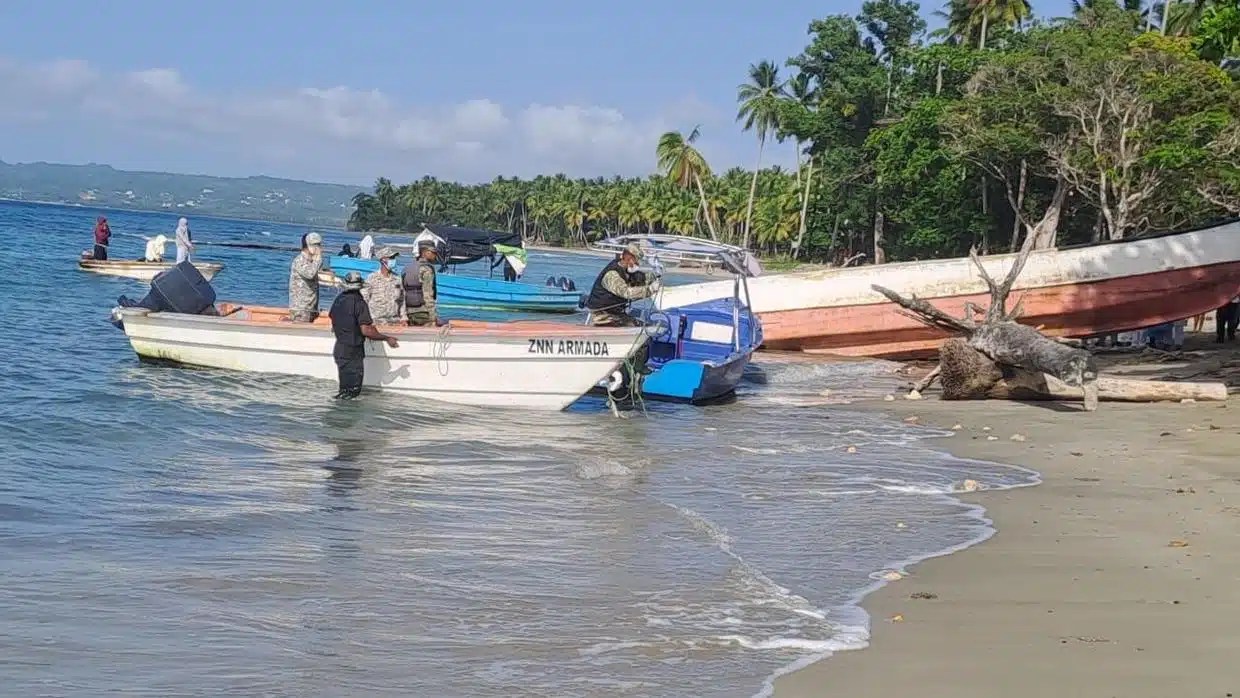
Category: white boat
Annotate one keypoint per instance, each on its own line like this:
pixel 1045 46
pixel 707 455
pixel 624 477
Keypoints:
pixel 142 271
pixel 532 364
pixel 1078 291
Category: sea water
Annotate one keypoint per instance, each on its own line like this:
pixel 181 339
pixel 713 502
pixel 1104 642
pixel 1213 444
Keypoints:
pixel 176 532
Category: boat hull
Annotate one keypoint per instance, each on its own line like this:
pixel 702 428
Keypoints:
pixel 695 381
pixel 142 271
pixel 1067 293
pixel 534 365
pixel 469 292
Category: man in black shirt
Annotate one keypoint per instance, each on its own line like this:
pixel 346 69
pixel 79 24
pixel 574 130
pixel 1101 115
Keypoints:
pixel 352 325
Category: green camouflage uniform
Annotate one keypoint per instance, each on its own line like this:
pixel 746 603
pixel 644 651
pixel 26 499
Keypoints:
pixel 425 314
pixel 303 288
pixel 385 295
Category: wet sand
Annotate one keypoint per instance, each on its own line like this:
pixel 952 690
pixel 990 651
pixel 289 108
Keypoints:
pixel 1118 576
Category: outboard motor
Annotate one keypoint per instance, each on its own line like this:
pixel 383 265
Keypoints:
pixel 551 281
pixel 572 285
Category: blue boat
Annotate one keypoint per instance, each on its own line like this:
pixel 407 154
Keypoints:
pixel 698 352
pixel 463 246
pixel 701 350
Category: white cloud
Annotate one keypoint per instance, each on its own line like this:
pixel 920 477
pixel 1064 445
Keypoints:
pixel 338 132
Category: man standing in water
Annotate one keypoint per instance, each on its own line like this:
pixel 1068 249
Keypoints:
pixel 352 325
pixel 421 288
pixel 303 280
pixel 384 291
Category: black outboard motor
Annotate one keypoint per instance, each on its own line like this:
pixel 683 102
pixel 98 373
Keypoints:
pixel 551 281
pixel 181 289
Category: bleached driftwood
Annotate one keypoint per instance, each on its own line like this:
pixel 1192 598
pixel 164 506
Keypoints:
pixel 998 336
pixel 967 374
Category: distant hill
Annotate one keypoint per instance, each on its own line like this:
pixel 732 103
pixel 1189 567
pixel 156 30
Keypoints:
pixel 261 198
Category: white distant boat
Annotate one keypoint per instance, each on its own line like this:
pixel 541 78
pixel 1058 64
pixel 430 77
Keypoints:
pixel 532 364
pixel 142 271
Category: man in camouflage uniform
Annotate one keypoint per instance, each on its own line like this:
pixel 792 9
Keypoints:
pixel 617 285
pixel 384 292
pixel 420 287
pixel 303 280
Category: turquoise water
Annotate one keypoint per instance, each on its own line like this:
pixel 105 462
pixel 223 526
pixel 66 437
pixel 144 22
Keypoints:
pixel 174 532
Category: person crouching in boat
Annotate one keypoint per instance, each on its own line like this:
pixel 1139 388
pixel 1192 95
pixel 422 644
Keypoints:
pixel 155 249
pixel 618 285
pixel 303 280
pixel 421 287
pixel 385 291
pixel 103 235
pixel 353 325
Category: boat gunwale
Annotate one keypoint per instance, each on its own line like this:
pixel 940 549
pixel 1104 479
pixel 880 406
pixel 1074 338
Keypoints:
pixel 272 317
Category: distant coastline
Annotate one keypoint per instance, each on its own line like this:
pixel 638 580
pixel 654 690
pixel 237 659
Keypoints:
pixel 340 228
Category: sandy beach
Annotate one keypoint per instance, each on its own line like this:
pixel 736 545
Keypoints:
pixel 1118 576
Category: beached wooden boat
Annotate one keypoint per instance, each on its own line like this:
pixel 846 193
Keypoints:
pixel 1070 292
pixel 142 271
pixel 536 365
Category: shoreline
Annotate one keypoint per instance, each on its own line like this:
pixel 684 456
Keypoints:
pixel 1111 577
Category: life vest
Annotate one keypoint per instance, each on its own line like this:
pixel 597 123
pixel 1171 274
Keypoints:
pixel 600 299
pixel 415 295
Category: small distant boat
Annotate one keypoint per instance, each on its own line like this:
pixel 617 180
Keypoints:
pixel 142 271
pixel 698 352
pixel 1077 291
pixel 679 250
pixel 531 364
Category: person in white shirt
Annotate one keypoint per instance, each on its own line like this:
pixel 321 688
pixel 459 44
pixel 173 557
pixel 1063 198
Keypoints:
pixel 365 247
pixel 185 241
pixel 155 249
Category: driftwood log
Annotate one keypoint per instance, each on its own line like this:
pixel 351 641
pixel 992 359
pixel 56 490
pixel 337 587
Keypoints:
pixel 967 374
pixel 1001 358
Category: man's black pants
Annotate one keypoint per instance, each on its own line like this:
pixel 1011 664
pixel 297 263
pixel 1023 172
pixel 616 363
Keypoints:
pixel 351 369
pixel 1226 319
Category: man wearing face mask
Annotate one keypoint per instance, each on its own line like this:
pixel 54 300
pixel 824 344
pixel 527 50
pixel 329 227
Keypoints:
pixel 619 284
pixel 384 293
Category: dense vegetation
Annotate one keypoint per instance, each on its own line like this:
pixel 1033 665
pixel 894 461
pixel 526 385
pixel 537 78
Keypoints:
pixel 1096 126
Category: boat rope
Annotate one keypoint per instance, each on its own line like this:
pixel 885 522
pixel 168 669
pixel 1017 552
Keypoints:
pixel 439 350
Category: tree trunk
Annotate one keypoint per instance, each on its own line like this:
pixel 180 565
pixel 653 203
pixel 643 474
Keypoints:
pixel 1019 206
pixel 880 256
pixel 1162 26
pixel 809 177
pixel 1045 234
pixel 986 216
pixel 938 80
pixel 753 188
pixel 710 223
pixel 981 42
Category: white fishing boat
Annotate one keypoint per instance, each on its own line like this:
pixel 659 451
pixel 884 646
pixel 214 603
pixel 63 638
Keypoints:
pixel 1077 291
pixel 142 271
pixel 534 364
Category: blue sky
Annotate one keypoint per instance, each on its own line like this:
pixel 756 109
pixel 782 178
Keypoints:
pixel 345 92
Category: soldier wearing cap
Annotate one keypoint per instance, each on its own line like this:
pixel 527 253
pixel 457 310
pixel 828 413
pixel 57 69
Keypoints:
pixel 421 289
pixel 384 291
pixel 617 285
pixel 353 325
pixel 303 280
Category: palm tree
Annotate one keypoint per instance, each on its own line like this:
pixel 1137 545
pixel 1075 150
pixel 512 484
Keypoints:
pixel 684 165
pixel 759 112
pixel 965 16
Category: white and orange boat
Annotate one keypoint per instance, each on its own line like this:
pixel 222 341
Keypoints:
pixel 531 364
pixel 1070 292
